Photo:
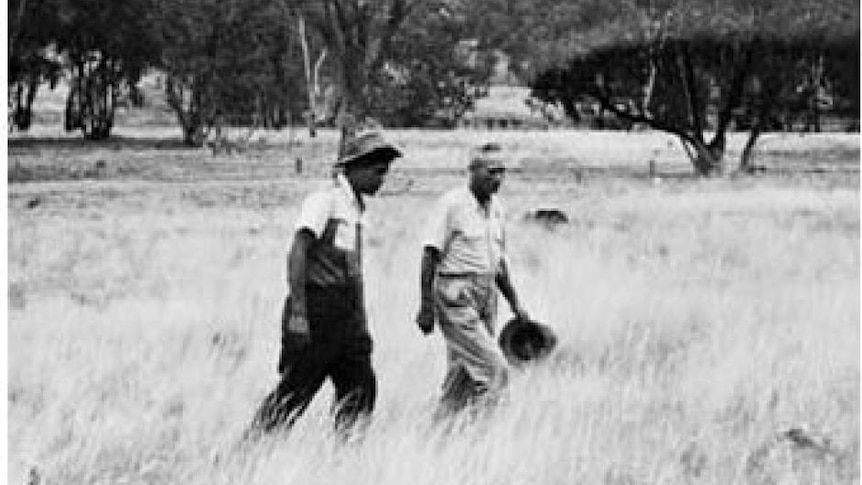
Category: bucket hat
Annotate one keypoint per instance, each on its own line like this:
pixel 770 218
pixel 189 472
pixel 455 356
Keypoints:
pixel 360 149
pixel 487 155
pixel 525 341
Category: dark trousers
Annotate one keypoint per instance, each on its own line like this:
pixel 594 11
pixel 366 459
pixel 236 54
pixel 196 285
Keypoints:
pixel 340 349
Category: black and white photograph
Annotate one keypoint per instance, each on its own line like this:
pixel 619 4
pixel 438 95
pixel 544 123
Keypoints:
pixel 432 242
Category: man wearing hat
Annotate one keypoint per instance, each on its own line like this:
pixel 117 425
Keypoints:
pixel 463 265
pixel 324 328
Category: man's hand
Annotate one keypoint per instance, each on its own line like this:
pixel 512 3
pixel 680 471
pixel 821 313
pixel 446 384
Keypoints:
pixel 425 319
pixel 297 328
pixel 520 313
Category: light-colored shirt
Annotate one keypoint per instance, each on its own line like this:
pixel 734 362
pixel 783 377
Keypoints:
pixel 334 216
pixel 470 238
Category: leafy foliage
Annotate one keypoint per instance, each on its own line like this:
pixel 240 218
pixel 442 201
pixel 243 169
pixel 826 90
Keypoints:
pixel 431 74
pixel 31 63
pixel 404 62
pixel 228 62
pixel 107 46
pixel 401 62
pixel 692 67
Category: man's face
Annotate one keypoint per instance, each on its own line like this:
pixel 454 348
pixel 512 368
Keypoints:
pixel 486 180
pixel 369 177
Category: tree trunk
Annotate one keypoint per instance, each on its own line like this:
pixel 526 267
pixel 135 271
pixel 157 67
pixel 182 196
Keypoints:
pixel 22 102
pixel 347 124
pixel 310 80
pixel 99 98
pixel 188 104
pixel 352 108
pixel 817 88
pixel 649 88
pixel 764 107
pixel 708 158
pixel 74 100
pixel 745 159
pixel 92 99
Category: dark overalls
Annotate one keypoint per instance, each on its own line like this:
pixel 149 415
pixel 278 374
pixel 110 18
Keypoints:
pixel 340 346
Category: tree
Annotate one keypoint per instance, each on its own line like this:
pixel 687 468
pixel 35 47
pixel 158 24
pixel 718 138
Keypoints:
pixel 107 46
pixel 228 62
pixel 397 60
pixel 433 72
pixel 357 34
pixel 33 25
pixel 798 78
pixel 691 67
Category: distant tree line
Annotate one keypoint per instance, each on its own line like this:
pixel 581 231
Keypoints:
pixel 692 68
pixel 401 62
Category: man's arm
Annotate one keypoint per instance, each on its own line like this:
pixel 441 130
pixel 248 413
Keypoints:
pixel 296 265
pixel 425 318
pixel 508 291
pixel 361 314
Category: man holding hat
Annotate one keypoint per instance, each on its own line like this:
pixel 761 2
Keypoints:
pixel 324 328
pixel 463 264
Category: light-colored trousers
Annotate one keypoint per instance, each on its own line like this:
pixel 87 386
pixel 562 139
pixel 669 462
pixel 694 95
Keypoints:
pixel 466 308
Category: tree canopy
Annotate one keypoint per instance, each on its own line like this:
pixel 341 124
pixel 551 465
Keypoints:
pixel 402 62
pixel 107 47
pixel 694 67
pixel 32 28
pixel 398 61
pixel 227 62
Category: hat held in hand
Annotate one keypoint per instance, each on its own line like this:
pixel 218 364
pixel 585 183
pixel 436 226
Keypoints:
pixel 525 341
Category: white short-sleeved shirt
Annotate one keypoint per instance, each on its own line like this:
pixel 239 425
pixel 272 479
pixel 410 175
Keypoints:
pixel 471 238
pixel 335 216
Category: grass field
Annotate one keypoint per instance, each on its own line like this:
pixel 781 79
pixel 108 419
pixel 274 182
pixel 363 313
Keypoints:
pixel 709 328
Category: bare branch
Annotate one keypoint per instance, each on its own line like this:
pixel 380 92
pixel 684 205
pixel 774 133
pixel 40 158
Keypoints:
pixel 734 93
pixel 686 73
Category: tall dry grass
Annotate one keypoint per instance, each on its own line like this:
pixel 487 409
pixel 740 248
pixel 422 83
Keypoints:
pixel 698 322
